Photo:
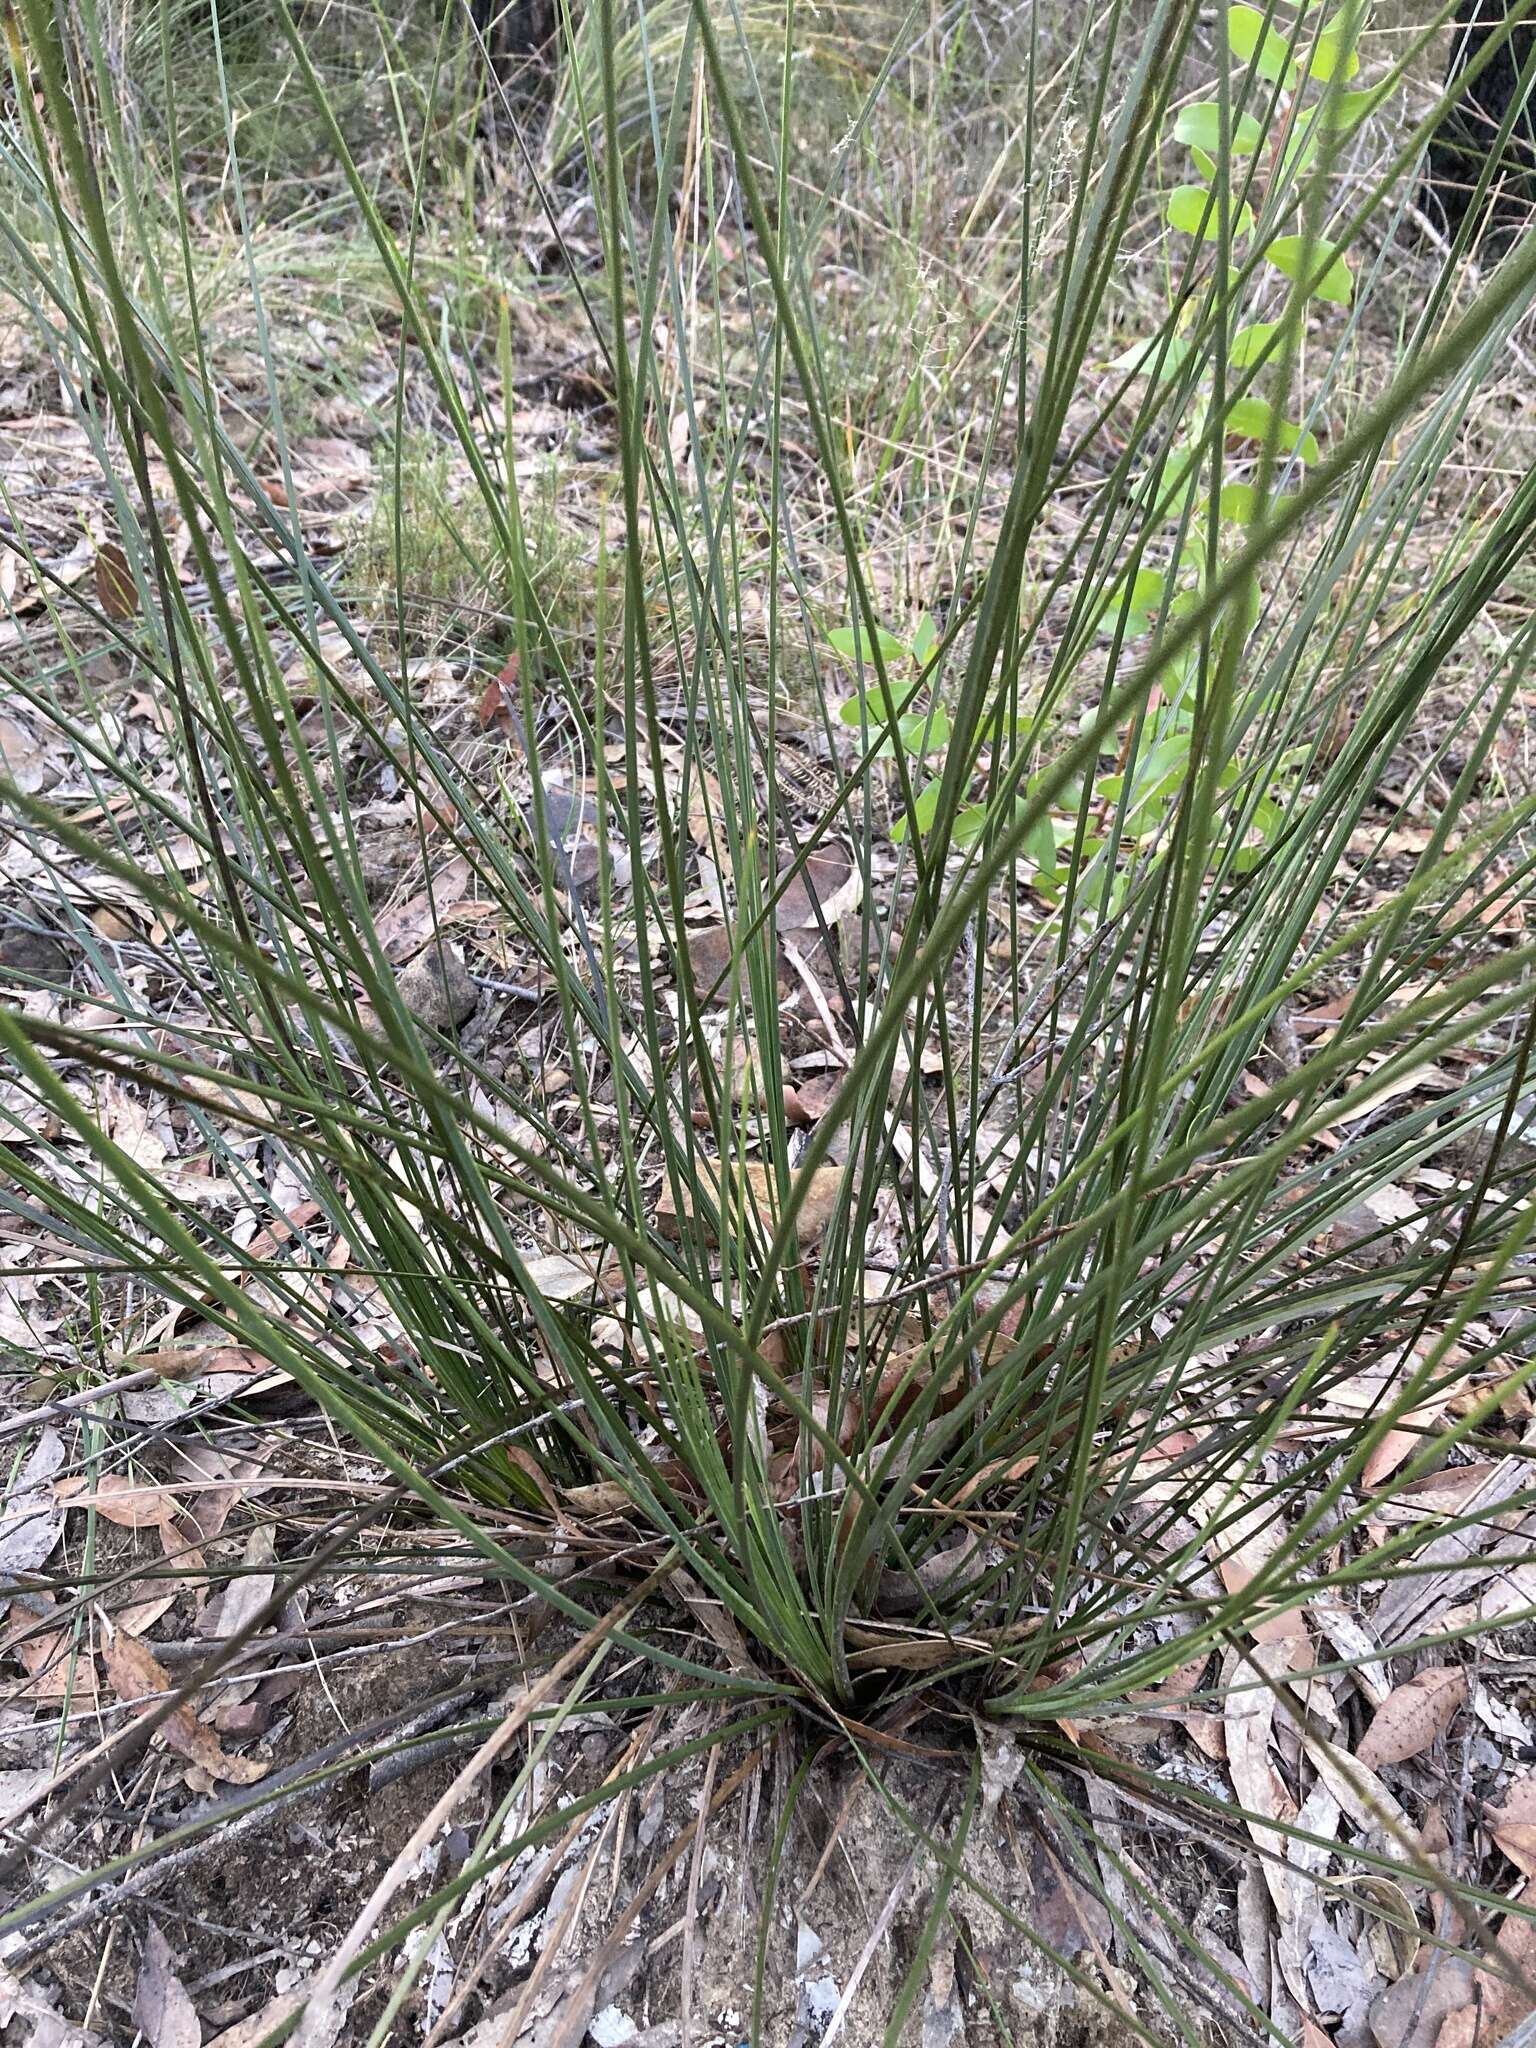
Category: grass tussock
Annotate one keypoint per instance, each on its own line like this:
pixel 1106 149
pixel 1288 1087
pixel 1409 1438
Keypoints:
pixel 839 929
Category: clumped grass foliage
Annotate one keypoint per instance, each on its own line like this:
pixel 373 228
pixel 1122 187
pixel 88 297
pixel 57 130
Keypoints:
pixel 972 1388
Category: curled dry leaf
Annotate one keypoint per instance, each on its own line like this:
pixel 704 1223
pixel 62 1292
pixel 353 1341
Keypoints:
pixel 601 1498
pixel 137 1673
pixel 191 1361
pixel 497 704
pixel 1413 1715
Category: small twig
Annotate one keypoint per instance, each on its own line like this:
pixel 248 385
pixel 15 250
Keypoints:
pixel 71 1404
pixel 520 990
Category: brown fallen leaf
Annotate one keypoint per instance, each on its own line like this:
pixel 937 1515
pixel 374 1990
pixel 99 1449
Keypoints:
pixel 534 1473
pixel 1514 1823
pixel 260 2025
pixel 236 1603
pixel 602 1497
pixel 498 700
pixel 709 958
pixel 405 928
pixel 191 1361
pixel 136 1673
pixel 162 2008
pixel 1411 2012
pixel 116 591
pixel 826 887
pixel 126 1503
pixel 757 1188
pixel 48 1657
pixel 1413 1715
pixel 813 1096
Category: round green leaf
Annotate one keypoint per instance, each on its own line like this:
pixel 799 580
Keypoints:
pixel 1156 358
pixel 1193 211
pixel 1341 111
pixel 924 731
pixel 1254 344
pixel 1145 602
pixel 1199 127
pixel 1303 260
pixel 850 642
pixel 925 808
pixel 1256 420
pixel 1333 55
pixel 1259 43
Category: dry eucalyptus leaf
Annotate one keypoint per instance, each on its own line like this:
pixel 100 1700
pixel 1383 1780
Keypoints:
pixel 600 1497
pixel 1514 1823
pixel 234 1605
pixel 758 1188
pixel 23 757
pixel 126 1503
pixel 137 1673
pixel 190 1361
pixel 1413 1715
pixel 829 883
pixel 162 2009
pixel 260 2025
pixel 1411 2012
pixel 405 928
pixel 561 1277
pixel 116 591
